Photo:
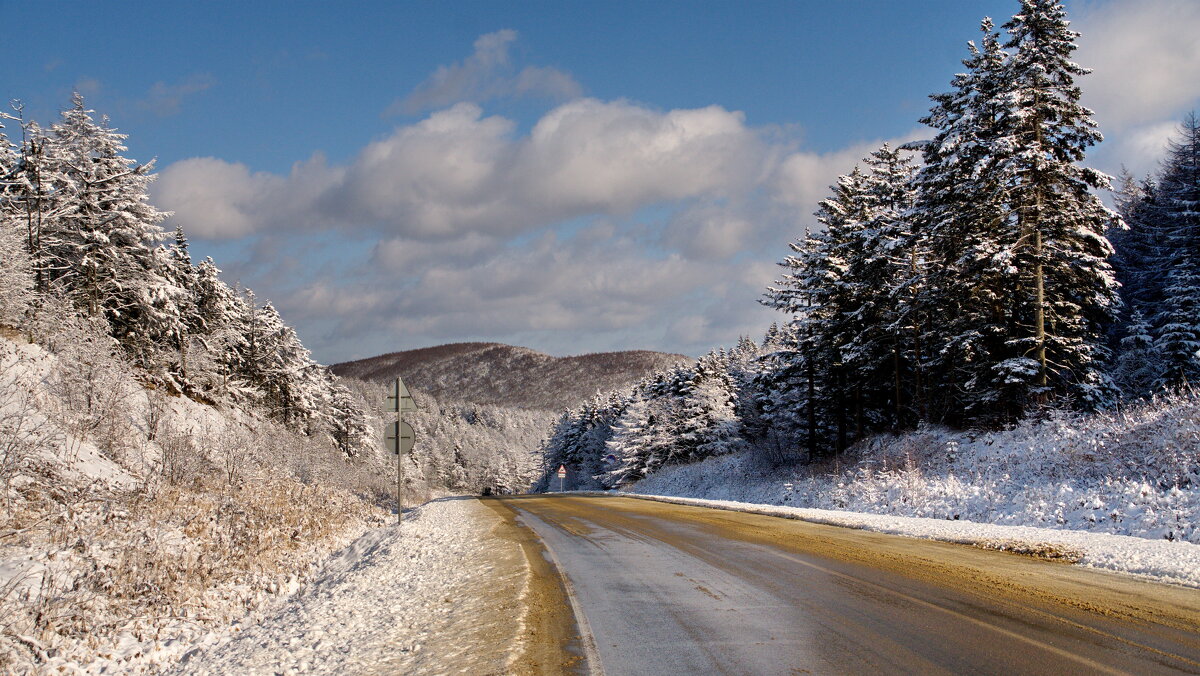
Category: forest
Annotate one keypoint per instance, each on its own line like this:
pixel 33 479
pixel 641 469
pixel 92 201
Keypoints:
pixel 81 243
pixel 972 280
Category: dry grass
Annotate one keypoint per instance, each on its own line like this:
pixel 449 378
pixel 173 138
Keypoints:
pixel 147 563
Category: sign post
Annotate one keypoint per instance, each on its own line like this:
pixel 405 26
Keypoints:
pixel 562 474
pixel 400 436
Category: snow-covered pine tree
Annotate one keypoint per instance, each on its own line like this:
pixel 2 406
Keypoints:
pixel 346 419
pixel 107 235
pixel 878 350
pixel 37 198
pixel 634 439
pixel 1137 370
pixel 707 423
pixel 184 276
pixel 1176 215
pixel 788 383
pixel 825 301
pixel 220 332
pixel 1019 269
pixel 961 215
pixel 1069 295
pixel 1138 266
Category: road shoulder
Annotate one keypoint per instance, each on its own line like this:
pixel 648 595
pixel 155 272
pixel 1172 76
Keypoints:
pixel 551 641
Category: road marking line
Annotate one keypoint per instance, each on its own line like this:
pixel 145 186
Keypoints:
pixel 591 654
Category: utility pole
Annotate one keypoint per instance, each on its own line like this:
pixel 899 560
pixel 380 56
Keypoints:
pixel 400 436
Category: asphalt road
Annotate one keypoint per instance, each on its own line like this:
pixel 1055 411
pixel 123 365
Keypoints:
pixel 670 589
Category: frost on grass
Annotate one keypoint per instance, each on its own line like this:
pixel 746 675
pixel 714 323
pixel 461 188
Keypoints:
pixel 131 524
pixel 437 594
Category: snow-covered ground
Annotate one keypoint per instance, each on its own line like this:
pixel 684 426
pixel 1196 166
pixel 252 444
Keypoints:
pixel 1119 491
pixel 133 522
pixel 1160 560
pixel 440 594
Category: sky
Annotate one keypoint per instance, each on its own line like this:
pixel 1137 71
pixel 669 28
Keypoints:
pixel 571 176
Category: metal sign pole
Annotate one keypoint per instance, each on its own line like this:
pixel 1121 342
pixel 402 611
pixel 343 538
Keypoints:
pixel 400 465
pixel 400 438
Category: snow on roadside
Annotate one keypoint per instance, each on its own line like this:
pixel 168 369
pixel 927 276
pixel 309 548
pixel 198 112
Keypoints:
pixel 439 593
pixel 1160 560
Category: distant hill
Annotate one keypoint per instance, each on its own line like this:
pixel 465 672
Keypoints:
pixel 504 375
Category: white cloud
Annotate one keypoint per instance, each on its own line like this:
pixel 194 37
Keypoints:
pixel 1145 58
pixel 1138 150
pixel 457 172
pixel 485 75
pixel 708 231
pixel 575 293
pixel 216 199
pixel 480 232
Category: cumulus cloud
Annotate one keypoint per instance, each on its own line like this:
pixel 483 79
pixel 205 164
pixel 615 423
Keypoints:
pixel 606 218
pixel 165 99
pixel 1145 59
pixel 457 172
pixel 216 199
pixel 583 292
pixel 485 75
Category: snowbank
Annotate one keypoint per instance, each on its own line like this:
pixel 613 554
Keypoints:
pixel 437 594
pixel 132 521
pixel 1119 491
pixel 1159 560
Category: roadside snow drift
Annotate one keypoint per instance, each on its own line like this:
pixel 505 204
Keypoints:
pixel 438 594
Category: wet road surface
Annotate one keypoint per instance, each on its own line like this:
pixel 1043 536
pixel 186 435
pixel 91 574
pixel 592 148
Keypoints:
pixel 670 589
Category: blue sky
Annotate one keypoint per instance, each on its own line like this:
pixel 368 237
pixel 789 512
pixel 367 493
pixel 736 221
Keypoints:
pixel 569 176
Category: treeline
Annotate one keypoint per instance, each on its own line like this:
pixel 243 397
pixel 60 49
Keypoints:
pixel 79 238
pixel 967 280
pixel 679 415
pixel 464 446
pixel 1158 265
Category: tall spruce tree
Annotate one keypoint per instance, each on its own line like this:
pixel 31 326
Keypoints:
pixel 107 236
pixel 1019 267
pixel 961 214
pixel 1061 251
pixel 1176 215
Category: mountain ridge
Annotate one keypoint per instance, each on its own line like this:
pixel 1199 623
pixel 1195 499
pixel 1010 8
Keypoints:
pixel 510 375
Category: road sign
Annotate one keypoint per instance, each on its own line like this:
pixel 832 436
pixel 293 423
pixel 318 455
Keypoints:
pixel 562 472
pixel 400 437
pixel 400 400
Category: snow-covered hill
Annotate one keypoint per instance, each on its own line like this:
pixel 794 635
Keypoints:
pixel 133 520
pixel 504 375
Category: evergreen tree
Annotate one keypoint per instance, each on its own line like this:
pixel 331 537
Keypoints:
pixel 16 267
pixel 38 198
pixel 1139 268
pixel 106 234
pixel 1176 215
pixel 1137 370
pixel 961 214
pixel 1015 233
pixel 877 347
pixel 1061 251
